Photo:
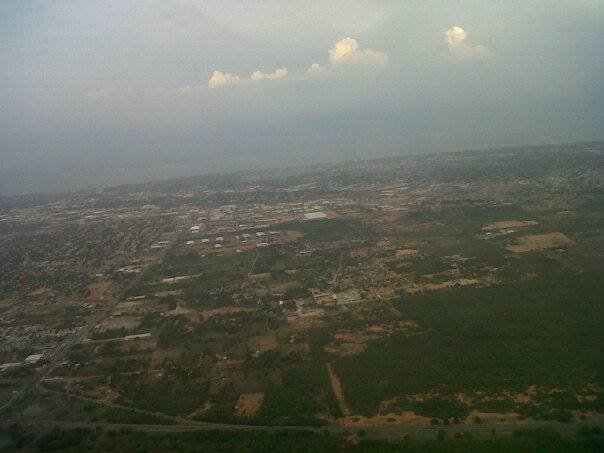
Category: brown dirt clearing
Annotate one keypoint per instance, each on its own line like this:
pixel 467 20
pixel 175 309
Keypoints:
pixel 540 242
pixel 99 290
pixel 405 253
pixel 249 404
pixel 264 343
pixel 337 390
pixel 508 224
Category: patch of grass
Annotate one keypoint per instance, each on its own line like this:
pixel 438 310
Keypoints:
pixel 332 230
pixel 174 397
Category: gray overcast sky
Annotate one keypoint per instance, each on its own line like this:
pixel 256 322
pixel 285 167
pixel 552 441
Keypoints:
pixel 89 89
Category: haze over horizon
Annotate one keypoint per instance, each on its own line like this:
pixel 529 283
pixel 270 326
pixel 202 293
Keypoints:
pixel 122 91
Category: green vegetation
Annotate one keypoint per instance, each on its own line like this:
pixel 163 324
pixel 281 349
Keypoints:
pixel 442 407
pixel 542 332
pixel 301 394
pixel 332 230
pixel 587 439
pixel 172 396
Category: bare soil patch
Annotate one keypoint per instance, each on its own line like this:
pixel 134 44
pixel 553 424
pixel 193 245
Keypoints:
pixel 451 283
pixel 127 323
pixel 264 343
pixel 176 292
pixel 337 390
pixel 383 244
pixel 191 315
pixel 386 219
pixel 540 242
pixel 493 417
pixel 306 318
pixel 503 225
pixel 294 234
pixel 407 418
pixel 345 349
pixel 406 253
pixel 224 311
pixel 249 404
pixel 263 276
pixel 348 343
pixel 282 287
pixel 99 290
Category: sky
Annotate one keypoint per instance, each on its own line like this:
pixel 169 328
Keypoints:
pixel 107 92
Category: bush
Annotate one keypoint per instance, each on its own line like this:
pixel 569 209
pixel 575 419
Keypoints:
pixel 562 416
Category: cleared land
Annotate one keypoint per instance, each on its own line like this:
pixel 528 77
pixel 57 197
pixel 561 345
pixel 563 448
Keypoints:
pixel 540 242
pixel 249 404
pixel 264 343
pixel 506 224
pixel 337 390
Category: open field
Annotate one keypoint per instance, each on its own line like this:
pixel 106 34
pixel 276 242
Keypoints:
pixel 540 242
pixel 507 224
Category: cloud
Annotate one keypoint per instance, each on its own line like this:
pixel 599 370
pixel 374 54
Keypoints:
pixel 346 52
pixel 315 70
pixel 220 79
pixel 280 73
pixel 345 57
pixel 455 38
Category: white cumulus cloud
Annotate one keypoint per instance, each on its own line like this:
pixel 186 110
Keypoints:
pixel 455 38
pixel 315 70
pixel 220 79
pixel 280 73
pixel 345 57
pixel 346 51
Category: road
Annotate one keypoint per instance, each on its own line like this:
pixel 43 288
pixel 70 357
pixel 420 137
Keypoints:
pixel 254 263
pixel 391 432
